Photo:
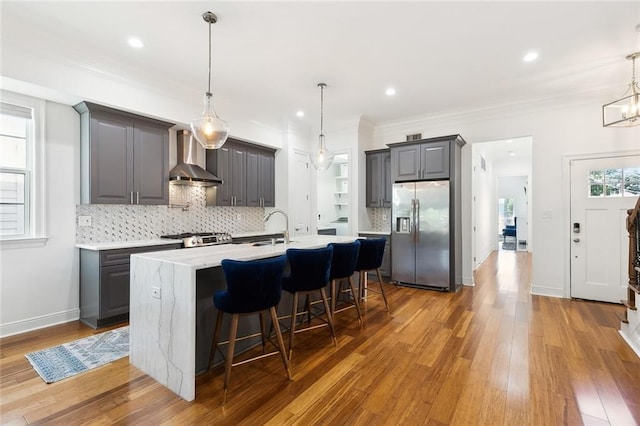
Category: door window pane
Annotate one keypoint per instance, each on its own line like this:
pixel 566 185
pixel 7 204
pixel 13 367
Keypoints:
pixel 632 182
pixel 596 183
pixel 613 182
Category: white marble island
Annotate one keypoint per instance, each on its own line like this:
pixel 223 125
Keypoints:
pixel 162 312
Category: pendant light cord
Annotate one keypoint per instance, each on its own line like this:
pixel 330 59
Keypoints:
pixel 321 108
pixel 209 86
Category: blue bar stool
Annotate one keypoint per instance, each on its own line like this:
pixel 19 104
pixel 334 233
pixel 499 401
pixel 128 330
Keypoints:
pixel 370 259
pixel 343 265
pixel 252 287
pixel 309 274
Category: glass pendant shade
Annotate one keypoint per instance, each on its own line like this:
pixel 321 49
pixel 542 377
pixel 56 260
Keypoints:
pixel 321 157
pixel 210 130
pixel 624 112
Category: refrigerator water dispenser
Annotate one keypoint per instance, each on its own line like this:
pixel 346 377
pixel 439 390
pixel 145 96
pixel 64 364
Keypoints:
pixel 403 225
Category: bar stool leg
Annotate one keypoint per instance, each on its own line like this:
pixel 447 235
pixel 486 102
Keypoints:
pixel 263 332
pixel 216 335
pixel 283 354
pixel 384 297
pixel 292 327
pixel 325 302
pixel 333 297
pixel 355 300
pixel 232 343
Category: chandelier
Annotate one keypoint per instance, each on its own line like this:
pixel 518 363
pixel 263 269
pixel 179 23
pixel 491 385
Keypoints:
pixel 625 112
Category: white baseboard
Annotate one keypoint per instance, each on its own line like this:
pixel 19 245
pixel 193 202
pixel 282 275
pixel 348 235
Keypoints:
pixel 35 323
pixel 468 281
pixel 630 342
pixel 547 291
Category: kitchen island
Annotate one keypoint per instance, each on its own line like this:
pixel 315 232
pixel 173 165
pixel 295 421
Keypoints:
pixel 171 309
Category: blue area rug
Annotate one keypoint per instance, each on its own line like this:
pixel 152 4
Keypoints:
pixel 59 362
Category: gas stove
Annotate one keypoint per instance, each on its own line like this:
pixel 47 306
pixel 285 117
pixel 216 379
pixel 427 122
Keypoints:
pixel 201 239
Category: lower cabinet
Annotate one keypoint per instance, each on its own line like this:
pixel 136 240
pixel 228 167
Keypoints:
pixel 104 284
pixel 385 269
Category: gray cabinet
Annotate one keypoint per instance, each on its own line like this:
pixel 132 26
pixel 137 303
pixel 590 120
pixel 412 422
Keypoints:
pixel 260 178
pixel 428 159
pixel 378 178
pixel 247 172
pixel 104 284
pixel 385 268
pixel 124 157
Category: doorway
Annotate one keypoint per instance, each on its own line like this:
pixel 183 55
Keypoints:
pixel 501 169
pixel 333 203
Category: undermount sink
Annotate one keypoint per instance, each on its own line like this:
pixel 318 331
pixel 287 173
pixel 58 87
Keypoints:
pixel 268 242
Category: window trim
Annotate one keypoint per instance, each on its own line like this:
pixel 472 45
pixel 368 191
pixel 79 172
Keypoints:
pixel 37 171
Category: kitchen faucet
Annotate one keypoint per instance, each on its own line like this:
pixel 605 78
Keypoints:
pixel 286 218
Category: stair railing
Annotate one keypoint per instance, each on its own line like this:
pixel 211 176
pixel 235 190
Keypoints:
pixel 633 228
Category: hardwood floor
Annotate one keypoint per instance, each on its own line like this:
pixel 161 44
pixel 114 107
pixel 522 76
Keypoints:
pixel 490 354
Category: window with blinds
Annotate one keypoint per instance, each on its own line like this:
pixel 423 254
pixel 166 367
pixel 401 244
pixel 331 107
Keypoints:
pixel 16 142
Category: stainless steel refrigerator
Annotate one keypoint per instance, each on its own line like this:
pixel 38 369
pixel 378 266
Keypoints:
pixel 421 235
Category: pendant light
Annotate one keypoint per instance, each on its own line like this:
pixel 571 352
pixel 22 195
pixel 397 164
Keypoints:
pixel 209 129
pixel 625 112
pixel 321 157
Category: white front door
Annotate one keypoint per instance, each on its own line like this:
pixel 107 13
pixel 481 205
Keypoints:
pixel 301 187
pixel 602 189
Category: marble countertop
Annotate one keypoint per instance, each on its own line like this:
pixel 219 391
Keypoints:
pixel 375 232
pixel 126 244
pixel 212 256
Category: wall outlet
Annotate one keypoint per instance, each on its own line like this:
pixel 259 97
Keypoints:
pixel 238 216
pixel 84 220
pixel 384 217
pixel 156 292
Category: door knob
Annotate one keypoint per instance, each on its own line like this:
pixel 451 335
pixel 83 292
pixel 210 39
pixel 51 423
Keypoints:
pixel 576 240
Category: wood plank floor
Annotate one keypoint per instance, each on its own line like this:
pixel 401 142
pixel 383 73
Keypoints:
pixel 490 354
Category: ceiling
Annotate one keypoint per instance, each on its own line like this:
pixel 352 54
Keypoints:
pixel 441 57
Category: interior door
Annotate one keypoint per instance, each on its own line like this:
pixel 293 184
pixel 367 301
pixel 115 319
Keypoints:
pixel 602 190
pixel 301 188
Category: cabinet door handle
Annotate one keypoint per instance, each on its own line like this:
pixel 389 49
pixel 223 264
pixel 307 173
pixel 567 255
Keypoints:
pixel 131 197
pixel 137 197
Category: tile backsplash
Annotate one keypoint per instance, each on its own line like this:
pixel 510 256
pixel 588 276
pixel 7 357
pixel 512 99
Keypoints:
pixel 380 219
pixel 111 222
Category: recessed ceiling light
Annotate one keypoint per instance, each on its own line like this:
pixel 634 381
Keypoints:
pixel 511 154
pixel 390 91
pixel 300 114
pixel 531 56
pixel 509 141
pixel 136 42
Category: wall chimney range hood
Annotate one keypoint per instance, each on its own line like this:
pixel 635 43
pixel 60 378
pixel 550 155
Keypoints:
pixel 186 172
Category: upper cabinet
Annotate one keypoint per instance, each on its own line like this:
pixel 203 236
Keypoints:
pixel 428 159
pixel 124 157
pixel 261 176
pixel 378 175
pixel 247 172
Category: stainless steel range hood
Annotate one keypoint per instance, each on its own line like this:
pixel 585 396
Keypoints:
pixel 186 172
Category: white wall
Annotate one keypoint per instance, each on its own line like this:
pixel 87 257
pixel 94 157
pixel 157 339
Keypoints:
pixel 40 285
pixel 485 210
pixel 575 127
